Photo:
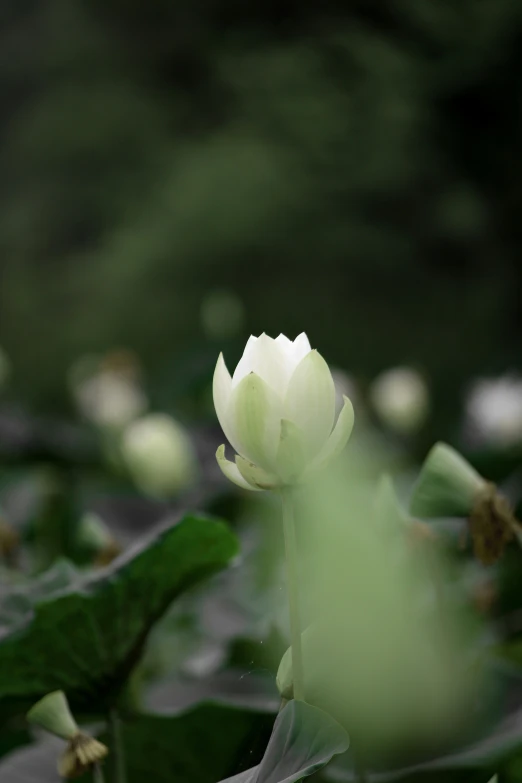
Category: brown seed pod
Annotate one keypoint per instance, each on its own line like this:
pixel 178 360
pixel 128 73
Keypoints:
pixel 491 524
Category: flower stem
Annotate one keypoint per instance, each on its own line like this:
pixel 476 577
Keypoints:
pixel 293 594
pixel 97 774
pixel 118 751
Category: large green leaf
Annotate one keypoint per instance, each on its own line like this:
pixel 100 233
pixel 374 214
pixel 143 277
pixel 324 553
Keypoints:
pixel 86 638
pixel 198 745
pixel 304 739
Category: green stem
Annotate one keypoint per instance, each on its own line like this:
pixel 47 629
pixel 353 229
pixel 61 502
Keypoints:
pixel 97 774
pixel 117 748
pixel 360 769
pixel 293 594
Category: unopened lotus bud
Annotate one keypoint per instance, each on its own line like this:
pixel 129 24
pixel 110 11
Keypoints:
pixel 159 455
pixel 95 537
pixel 278 413
pixel 52 713
pixel 449 486
pixel 401 399
pixel 285 674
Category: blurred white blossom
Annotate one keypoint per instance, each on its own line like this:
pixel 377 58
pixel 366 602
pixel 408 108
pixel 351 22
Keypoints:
pixel 159 454
pixel 400 398
pixel 494 411
pixel 108 391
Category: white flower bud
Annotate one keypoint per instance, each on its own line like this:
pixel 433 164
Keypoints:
pixel 400 398
pixel 278 413
pixel 159 455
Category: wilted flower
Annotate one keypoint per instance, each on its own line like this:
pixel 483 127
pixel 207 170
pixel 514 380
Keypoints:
pixel 159 454
pixel 400 398
pixel 278 412
pixel 494 410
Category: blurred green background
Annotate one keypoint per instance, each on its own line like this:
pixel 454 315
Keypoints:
pixel 349 169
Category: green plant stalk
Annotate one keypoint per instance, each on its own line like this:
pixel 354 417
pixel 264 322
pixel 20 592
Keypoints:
pixel 97 774
pixel 293 594
pixel 117 749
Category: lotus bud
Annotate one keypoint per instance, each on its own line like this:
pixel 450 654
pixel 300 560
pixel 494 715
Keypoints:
pixel 278 413
pixel 95 537
pixel 52 713
pixel 159 455
pixel 449 486
pixel 401 399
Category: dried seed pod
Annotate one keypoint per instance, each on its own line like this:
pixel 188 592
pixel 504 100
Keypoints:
pixel 52 713
pixel 491 523
pixel 449 486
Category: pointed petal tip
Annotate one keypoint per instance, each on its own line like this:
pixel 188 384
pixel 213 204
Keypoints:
pixel 231 471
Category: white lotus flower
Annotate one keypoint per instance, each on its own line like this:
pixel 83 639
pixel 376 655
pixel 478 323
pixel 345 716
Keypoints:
pixel 278 412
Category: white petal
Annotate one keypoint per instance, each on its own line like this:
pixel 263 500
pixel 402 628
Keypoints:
pixel 301 346
pixel 339 437
pixel 310 401
pixel 286 346
pixel 256 412
pixel 291 457
pixel 254 475
pixel 245 364
pixel 222 391
pixel 231 471
pixel 267 359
